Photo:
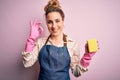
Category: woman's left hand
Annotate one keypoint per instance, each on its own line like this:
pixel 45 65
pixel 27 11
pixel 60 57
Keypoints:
pixel 87 57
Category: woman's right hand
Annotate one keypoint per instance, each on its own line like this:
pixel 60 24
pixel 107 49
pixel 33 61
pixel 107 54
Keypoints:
pixel 35 29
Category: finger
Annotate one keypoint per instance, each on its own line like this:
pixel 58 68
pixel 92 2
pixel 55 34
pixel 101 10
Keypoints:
pixel 38 23
pixel 31 22
pixel 40 29
pixel 98 44
pixel 31 25
pixel 86 47
pixel 35 21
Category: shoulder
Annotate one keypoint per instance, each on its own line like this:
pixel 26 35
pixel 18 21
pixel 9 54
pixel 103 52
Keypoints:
pixel 70 42
pixel 73 47
pixel 41 40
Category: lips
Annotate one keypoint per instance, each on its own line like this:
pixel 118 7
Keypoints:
pixel 54 30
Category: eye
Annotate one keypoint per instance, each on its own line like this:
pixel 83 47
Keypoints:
pixel 49 21
pixel 57 20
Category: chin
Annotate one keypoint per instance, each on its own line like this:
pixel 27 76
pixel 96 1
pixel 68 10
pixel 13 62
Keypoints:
pixel 55 34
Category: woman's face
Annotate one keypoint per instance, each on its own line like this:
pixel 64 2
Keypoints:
pixel 54 23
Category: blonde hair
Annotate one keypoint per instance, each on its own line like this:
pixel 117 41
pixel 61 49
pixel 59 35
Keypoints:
pixel 53 6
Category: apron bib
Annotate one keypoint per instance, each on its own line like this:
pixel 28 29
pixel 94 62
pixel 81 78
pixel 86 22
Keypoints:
pixel 54 63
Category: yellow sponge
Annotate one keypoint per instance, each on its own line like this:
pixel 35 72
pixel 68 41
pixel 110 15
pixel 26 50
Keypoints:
pixel 92 45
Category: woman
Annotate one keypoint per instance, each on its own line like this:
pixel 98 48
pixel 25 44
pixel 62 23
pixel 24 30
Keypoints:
pixel 56 53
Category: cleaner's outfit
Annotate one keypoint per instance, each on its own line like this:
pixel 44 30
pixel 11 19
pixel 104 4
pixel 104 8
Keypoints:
pixel 55 61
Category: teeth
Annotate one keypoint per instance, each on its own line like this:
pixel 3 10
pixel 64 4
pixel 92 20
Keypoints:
pixel 54 30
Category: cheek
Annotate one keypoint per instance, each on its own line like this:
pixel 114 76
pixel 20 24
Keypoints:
pixel 49 29
pixel 49 26
pixel 60 26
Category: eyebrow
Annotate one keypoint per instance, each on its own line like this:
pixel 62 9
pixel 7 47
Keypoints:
pixel 54 19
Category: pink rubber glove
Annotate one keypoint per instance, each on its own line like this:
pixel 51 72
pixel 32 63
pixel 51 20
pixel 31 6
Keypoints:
pixel 87 57
pixel 35 31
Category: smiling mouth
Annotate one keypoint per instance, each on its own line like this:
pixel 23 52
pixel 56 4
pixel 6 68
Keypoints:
pixel 54 30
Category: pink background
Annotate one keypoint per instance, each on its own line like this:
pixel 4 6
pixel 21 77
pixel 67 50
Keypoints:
pixel 85 19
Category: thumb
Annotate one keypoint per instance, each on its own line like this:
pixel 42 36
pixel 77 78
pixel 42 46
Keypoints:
pixel 40 29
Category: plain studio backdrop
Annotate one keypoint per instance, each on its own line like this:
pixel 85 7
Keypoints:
pixel 84 19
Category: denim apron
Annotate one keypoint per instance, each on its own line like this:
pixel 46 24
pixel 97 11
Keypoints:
pixel 54 62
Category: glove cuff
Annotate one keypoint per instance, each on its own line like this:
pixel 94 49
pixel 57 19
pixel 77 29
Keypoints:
pixel 29 44
pixel 87 57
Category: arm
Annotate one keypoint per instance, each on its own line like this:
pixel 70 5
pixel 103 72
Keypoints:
pixel 31 49
pixel 29 58
pixel 87 57
pixel 35 31
pixel 76 68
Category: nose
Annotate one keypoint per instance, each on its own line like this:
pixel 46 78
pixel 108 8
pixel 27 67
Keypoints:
pixel 54 25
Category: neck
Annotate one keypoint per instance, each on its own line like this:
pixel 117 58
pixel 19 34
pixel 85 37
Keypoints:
pixel 57 38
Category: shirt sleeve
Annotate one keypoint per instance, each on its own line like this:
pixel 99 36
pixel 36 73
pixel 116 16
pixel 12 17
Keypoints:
pixel 30 58
pixel 76 68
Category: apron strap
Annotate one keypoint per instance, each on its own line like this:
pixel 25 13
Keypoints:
pixel 64 39
pixel 47 39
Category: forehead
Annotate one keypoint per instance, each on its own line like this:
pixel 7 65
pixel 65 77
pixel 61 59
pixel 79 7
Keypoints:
pixel 54 15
